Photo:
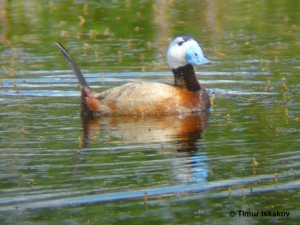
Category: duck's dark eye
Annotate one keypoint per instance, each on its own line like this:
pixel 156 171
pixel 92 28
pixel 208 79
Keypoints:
pixel 180 43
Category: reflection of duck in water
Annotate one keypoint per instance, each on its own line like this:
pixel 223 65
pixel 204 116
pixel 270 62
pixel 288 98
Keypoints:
pixel 151 98
pixel 190 167
pixel 185 130
pixel 178 139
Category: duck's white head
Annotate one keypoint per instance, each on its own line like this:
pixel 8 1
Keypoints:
pixel 185 50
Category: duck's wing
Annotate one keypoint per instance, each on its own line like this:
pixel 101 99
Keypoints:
pixel 75 69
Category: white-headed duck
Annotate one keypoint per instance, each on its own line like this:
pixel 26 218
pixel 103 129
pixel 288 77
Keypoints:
pixel 185 96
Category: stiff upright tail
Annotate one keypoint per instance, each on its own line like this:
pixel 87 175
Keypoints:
pixel 75 69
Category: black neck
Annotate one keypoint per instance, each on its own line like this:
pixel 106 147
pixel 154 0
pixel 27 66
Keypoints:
pixel 185 77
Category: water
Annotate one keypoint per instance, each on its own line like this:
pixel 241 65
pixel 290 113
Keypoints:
pixel 58 168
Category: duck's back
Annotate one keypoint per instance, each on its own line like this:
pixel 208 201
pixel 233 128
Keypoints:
pixel 150 98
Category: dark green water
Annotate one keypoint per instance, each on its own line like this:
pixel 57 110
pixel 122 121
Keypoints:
pixel 56 168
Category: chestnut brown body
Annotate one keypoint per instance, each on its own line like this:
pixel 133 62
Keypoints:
pixel 146 98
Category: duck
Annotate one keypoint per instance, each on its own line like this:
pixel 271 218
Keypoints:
pixel 185 96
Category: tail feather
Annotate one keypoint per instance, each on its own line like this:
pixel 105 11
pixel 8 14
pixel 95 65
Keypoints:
pixel 75 69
